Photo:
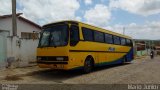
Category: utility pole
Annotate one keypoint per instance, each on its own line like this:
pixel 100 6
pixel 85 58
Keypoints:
pixel 123 30
pixel 14 18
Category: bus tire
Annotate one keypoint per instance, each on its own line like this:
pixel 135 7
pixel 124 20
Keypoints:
pixel 88 65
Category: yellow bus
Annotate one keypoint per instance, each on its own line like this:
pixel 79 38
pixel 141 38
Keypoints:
pixel 71 44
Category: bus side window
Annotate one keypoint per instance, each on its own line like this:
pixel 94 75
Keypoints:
pixel 98 36
pixel 116 40
pixel 109 38
pixel 87 34
pixel 123 41
pixel 74 35
pixel 129 42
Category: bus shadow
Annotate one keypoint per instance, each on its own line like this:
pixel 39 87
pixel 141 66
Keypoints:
pixel 59 76
pixel 100 68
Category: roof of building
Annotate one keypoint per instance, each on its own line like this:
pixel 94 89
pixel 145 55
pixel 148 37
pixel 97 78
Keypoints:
pixel 140 44
pixel 21 18
pixel 145 40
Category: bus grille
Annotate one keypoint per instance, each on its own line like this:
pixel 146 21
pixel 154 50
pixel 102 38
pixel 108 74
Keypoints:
pixel 52 59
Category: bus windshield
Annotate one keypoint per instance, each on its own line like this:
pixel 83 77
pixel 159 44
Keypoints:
pixel 54 36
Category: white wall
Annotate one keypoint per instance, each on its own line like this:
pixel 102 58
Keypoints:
pixel 3 47
pixel 23 52
pixel 6 24
pixel 13 50
pixel 26 51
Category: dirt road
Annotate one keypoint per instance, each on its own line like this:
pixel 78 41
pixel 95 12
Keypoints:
pixel 141 71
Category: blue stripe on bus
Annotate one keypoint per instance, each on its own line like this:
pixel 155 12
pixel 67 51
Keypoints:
pixel 103 64
pixel 129 57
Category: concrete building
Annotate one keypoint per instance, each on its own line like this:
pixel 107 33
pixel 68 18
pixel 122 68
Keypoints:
pixel 143 46
pixel 18 51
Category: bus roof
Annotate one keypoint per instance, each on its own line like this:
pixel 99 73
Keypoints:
pixel 97 28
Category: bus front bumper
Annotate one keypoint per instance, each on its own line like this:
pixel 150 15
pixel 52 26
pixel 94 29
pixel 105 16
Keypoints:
pixel 54 65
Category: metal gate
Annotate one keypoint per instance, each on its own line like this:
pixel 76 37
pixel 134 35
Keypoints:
pixel 3 48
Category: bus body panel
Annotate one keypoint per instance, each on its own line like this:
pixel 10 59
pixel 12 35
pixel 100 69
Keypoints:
pixel 53 51
pixel 98 51
pixel 77 54
pixel 77 58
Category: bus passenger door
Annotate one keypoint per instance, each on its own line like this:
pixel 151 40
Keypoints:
pixel 74 40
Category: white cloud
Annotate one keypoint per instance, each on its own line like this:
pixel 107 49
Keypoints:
pixel 5 7
pixel 45 11
pixel 102 1
pixel 78 18
pixel 99 15
pixel 150 30
pixel 88 2
pixel 141 7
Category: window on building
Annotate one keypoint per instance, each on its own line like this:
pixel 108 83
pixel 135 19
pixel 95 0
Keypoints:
pixel 28 35
pixel 116 40
pixel 109 38
pixel 87 34
pixel 98 36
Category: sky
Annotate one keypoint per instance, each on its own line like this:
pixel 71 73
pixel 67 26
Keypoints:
pixel 139 19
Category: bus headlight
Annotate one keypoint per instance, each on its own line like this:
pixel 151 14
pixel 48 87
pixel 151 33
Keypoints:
pixel 60 58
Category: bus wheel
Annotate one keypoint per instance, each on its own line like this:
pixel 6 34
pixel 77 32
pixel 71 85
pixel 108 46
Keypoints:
pixel 88 65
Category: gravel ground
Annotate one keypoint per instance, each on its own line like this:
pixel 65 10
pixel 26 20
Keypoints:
pixel 140 71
